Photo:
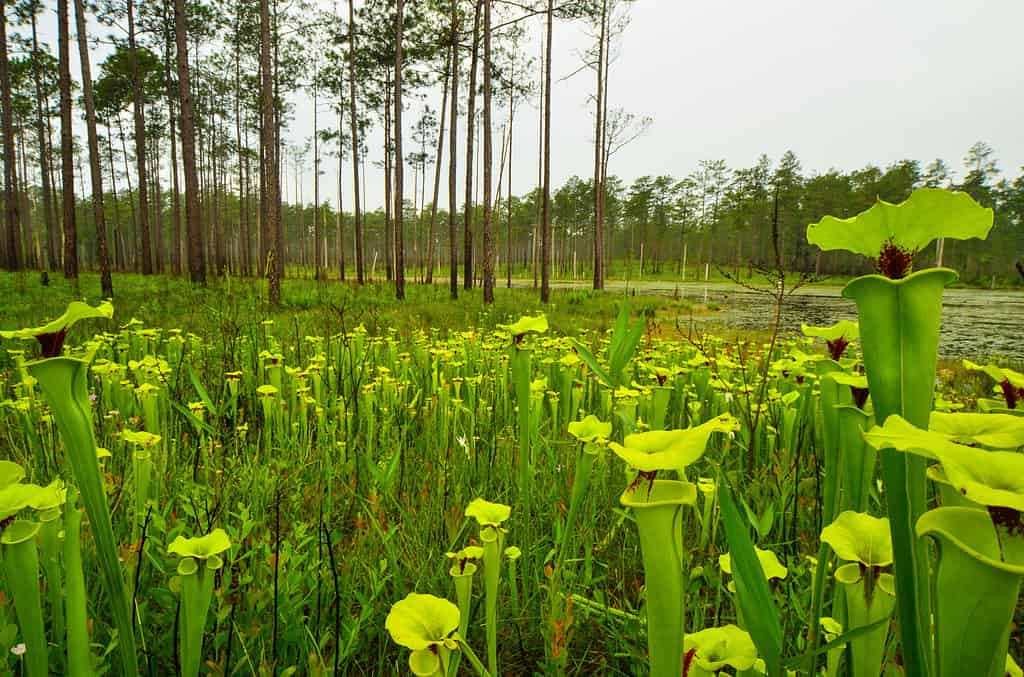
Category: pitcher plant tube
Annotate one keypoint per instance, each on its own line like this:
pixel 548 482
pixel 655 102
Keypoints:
pixel 197 569
pixel 658 512
pixel 520 369
pixel 64 383
pixel 981 551
pixel 865 544
pixel 490 517
pixel 899 314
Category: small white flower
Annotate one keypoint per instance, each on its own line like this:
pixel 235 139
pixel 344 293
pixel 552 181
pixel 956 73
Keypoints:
pixel 461 439
pixel 18 649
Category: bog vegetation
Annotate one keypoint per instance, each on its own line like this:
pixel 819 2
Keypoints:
pixel 506 498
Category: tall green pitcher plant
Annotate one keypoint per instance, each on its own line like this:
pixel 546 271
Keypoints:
pixel 64 382
pixel 657 506
pixel 899 316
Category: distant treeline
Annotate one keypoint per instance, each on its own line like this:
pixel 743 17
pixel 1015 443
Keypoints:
pixel 714 214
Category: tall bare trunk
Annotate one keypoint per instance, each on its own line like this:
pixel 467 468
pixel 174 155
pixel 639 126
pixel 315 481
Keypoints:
pixel 44 157
pixel 106 284
pixel 437 174
pixel 140 143
pixel 598 147
pixel 245 239
pixel 67 158
pixel 488 281
pixel 341 209
pixel 453 203
pixel 196 257
pixel 117 232
pixel 271 188
pixel 318 251
pixel 173 133
pixel 389 197
pixel 399 161
pixel 354 128
pixel 467 240
pixel 545 254
pixel 12 225
pixel 508 236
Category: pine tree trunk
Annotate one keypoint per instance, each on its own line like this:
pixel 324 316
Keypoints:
pixel 44 157
pixel 270 161
pixel 489 249
pixel 545 253
pixel 99 222
pixel 598 147
pixel 196 257
pixel 508 237
pixel 399 161
pixel 429 275
pixel 117 232
pixel 354 129
pixel 11 215
pixel 173 133
pixel 453 204
pixel 140 143
pixel 67 146
pixel 467 240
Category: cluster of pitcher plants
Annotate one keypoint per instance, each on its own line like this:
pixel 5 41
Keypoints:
pixel 516 502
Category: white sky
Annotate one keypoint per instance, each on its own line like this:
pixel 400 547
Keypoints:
pixel 843 84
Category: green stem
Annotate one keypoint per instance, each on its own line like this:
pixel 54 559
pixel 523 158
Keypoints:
pixel 474 660
pixel 817 603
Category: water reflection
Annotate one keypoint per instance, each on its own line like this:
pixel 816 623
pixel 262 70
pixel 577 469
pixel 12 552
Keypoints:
pixel 976 323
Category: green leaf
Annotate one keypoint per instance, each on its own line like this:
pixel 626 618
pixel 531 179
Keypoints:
pixel 525 325
pixel 421 621
pixel 897 433
pixel 928 214
pixel 859 537
pixel 76 310
pixel 203 395
pixel 671 449
pixel 10 473
pixel 992 478
pixel 843 329
pixel 996 431
pixel 591 361
pixel 201 547
pixel 769 561
pixel 718 648
pixel 625 339
pixel 590 429
pixel 752 592
pixel 488 514
pixel 998 374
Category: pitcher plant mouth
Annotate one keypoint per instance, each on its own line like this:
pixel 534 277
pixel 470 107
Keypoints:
pixel 659 493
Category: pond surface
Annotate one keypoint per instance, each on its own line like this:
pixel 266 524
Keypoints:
pixel 976 323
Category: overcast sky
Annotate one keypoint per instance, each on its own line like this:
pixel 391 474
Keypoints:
pixel 842 84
